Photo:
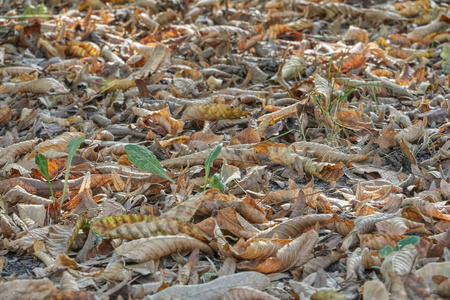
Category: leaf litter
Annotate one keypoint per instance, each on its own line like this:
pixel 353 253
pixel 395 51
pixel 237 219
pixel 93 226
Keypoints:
pixel 224 149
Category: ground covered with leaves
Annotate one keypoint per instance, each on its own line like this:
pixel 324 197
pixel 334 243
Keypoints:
pixel 224 149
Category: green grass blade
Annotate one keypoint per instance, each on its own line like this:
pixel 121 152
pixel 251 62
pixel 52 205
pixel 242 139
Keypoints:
pixel 72 147
pixel 209 161
pixel 145 160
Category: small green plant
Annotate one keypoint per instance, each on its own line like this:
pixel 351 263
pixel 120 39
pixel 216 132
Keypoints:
pixel 72 146
pixel 42 164
pixel 411 240
pixel 145 160
pixel 209 161
pixel 216 182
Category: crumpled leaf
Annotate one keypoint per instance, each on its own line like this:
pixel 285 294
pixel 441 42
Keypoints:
pixel 399 261
pixel 325 171
pixel 294 254
pixel 216 288
pixel 213 112
pixel 145 249
pixel 23 288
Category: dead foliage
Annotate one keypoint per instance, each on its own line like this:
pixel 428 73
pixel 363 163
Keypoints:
pixel 287 149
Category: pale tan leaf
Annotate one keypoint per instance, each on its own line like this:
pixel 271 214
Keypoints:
pixel 412 133
pixel 23 288
pixel 326 171
pixel 439 24
pixel 294 227
pixel 19 195
pixel 228 267
pixel 26 241
pixel 363 224
pixel 58 144
pixel 185 210
pixel 354 263
pixel 293 68
pixel 353 118
pixel 321 262
pixel 146 249
pixel 234 156
pixel 399 261
pixel 323 86
pixel 43 86
pixel 400 225
pixel 432 269
pixel 41 253
pixel 34 212
pixel 215 289
pixel 328 154
pixel 68 283
pixel 117 272
pixel 375 290
pixel 249 293
pixel 9 154
pixel 58 238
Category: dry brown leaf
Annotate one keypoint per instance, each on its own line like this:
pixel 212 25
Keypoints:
pixel 328 154
pixel 213 112
pixel 325 171
pixel 416 209
pixel 400 225
pixel 23 288
pixel 162 122
pixel 246 292
pixel 399 261
pixel 236 157
pixel 155 227
pixel 295 254
pixel 295 227
pixel 104 225
pixel 146 249
pixel 375 289
pixel 184 211
pixel 57 144
pixel 216 288
pixel 353 118
pixel 257 248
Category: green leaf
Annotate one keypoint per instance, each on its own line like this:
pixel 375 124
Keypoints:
pixel 410 240
pixel 209 161
pixel 145 160
pixel 72 147
pixel 385 251
pixel 42 163
pixel 217 183
pixel 35 11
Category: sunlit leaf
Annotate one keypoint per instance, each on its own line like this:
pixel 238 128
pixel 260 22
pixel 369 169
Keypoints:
pixel 209 161
pixel 145 160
